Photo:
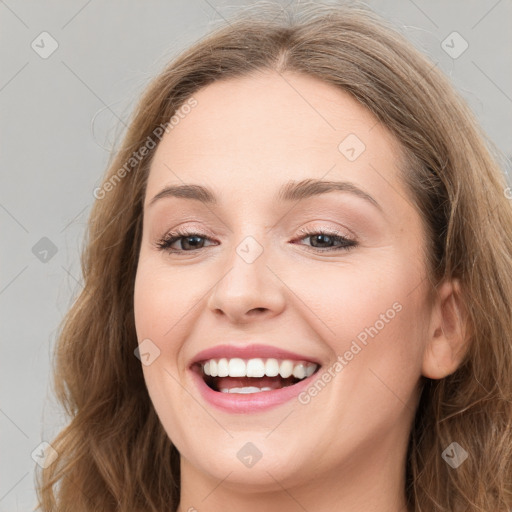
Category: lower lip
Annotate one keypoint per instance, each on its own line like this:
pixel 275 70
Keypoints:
pixel 249 402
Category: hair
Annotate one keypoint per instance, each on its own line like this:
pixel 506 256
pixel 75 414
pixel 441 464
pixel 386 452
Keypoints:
pixel 114 453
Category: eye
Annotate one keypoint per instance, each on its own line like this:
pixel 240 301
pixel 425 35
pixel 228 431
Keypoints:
pixel 322 241
pixel 190 241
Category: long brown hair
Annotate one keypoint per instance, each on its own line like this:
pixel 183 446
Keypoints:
pixel 114 454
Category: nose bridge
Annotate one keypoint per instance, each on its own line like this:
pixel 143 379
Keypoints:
pixel 247 268
pixel 247 283
pixel 250 243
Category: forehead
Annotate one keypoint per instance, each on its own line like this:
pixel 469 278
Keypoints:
pixel 256 132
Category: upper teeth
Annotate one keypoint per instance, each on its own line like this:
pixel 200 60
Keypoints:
pixel 237 367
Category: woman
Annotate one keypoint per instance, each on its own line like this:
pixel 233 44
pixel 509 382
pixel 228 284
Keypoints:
pixel 297 287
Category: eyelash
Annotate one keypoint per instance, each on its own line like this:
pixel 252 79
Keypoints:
pixel 165 243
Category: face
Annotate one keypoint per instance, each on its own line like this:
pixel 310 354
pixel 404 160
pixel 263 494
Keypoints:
pixel 333 280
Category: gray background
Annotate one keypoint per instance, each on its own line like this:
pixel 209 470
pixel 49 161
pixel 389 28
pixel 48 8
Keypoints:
pixel 61 115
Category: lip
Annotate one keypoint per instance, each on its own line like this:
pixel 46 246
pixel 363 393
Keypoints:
pixel 250 352
pixel 250 402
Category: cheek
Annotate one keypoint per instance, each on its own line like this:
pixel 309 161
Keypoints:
pixel 161 305
pixel 161 298
pixel 373 317
pixel 344 299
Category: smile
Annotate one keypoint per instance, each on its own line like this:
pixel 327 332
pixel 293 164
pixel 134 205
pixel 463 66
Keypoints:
pixel 256 375
pixel 250 378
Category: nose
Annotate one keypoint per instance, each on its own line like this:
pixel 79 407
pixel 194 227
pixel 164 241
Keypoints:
pixel 248 289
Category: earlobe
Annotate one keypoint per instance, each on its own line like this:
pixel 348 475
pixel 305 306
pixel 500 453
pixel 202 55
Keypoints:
pixel 448 333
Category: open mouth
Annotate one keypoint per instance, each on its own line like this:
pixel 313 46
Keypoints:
pixel 253 375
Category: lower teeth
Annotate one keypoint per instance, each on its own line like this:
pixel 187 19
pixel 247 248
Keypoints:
pixel 247 384
pixel 249 389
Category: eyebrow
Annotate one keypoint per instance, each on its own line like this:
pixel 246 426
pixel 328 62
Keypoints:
pixel 291 191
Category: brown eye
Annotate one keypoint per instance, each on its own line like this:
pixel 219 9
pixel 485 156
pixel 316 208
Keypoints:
pixel 188 241
pixel 324 241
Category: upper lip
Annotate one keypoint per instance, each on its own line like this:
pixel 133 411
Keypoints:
pixel 250 352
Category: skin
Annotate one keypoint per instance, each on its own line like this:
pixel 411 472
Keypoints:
pixel 346 448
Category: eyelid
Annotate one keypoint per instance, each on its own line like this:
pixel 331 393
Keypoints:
pixel 186 226
pixel 346 232
pixel 339 229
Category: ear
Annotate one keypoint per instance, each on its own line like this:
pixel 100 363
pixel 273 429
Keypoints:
pixel 448 333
